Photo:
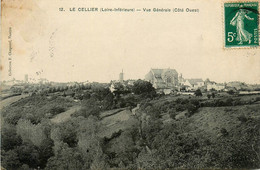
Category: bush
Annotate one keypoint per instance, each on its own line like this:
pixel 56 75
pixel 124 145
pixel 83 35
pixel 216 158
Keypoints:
pixel 257 99
pixel 56 110
pixel 198 92
pixel 10 160
pixel 141 87
pixel 180 108
pixel 9 137
pixel 242 118
pixel 195 102
pixel 131 100
pixel 237 102
pixel 182 101
pixel 228 102
pixel 224 132
pixel 231 92
pixel 154 112
pixel 121 103
pixel 172 113
pixel 191 109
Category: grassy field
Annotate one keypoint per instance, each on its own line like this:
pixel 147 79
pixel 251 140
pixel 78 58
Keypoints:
pixel 122 120
pixel 210 120
pixel 64 116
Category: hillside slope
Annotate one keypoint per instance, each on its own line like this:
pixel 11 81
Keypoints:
pixel 210 120
pixel 213 137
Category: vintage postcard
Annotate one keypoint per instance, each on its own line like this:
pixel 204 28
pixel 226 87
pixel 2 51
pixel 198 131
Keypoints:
pixel 130 84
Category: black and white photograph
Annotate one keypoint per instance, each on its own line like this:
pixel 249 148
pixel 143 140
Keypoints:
pixel 129 85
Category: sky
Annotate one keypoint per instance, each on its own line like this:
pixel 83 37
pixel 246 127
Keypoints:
pixel 94 46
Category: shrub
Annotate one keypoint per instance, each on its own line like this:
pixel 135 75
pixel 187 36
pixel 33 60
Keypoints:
pixel 191 109
pixel 228 102
pixel 219 103
pixel 242 118
pixel 9 137
pixel 237 102
pixel 257 99
pixel 182 101
pixel 87 111
pixel 198 92
pixel 224 132
pixel 195 102
pixel 121 103
pixel 154 112
pixel 231 92
pixel 56 110
pixel 131 100
pixel 179 108
pixel 172 113
pixel 141 87
pixel 10 160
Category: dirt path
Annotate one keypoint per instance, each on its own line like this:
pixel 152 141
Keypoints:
pixel 135 109
pixel 10 100
pixel 64 116
pixel 110 112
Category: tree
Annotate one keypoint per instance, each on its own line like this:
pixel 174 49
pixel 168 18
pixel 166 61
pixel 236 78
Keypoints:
pixel 198 92
pixel 231 92
pixel 45 151
pixel 191 109
pixel 208 95
pixel 66 158
pixel 147 160
pixel 30 132
pixel 150 129
pixel 99 92
pixel 90 144
pixel 10 160
pixel 119 89
pixel 28 154
pixel 89 107
pixel 122 148
pixel 141 87
pixel 108 102
pixel 56 110
pixel 9 137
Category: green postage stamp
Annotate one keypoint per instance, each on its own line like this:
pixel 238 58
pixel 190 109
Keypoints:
pixel 241 24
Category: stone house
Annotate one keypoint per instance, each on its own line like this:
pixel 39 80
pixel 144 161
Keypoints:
pixel 216 86
pixel 193 84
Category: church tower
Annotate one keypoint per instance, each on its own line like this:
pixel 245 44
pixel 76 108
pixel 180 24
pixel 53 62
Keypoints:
pixel 121 77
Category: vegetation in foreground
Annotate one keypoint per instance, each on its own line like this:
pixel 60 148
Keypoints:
pixel 168 131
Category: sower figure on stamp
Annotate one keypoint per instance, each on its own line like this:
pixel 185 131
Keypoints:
pixel 238 21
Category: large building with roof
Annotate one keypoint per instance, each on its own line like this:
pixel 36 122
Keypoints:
pixel 163 78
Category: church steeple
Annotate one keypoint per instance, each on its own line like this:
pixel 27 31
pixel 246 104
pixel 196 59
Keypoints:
pixel 121 76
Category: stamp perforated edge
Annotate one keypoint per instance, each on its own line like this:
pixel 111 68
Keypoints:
pixel 223 25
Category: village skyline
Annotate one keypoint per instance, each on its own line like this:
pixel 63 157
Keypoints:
pixel 31 78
